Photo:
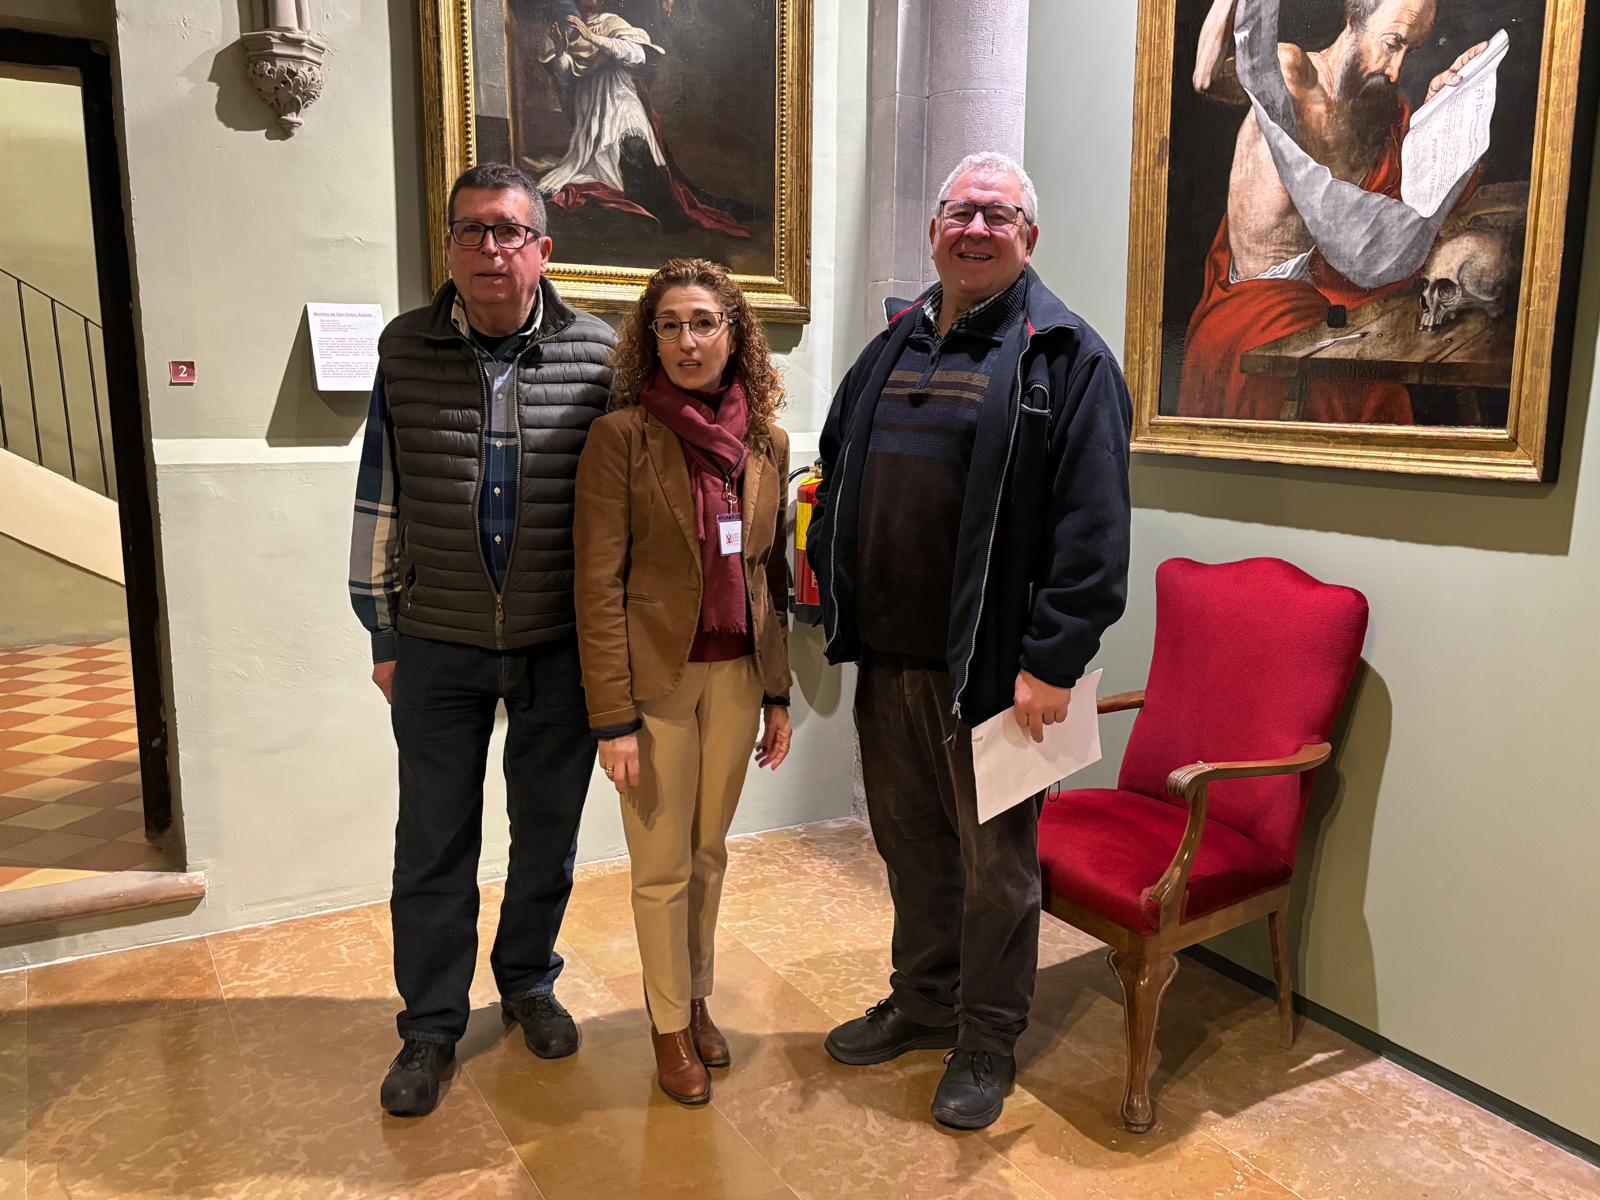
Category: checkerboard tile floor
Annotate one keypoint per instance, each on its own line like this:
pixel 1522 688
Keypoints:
pixel 70 801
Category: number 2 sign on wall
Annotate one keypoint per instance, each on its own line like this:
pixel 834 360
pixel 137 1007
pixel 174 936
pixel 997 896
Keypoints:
pixel 180 372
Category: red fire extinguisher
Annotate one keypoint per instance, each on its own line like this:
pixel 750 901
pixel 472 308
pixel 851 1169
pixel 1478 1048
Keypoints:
pixel 807 598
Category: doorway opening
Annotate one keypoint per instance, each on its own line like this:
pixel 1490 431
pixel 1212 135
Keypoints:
pixel 85 785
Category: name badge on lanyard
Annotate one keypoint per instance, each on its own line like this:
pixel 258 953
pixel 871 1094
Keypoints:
pixel 730 529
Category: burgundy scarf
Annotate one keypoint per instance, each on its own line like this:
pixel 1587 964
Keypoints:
pixel 711 427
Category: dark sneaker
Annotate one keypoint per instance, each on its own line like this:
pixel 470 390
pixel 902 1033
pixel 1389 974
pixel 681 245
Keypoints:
pixel 974 1088
pixel 411 1088
pixel 548 1028
pixel 885 1033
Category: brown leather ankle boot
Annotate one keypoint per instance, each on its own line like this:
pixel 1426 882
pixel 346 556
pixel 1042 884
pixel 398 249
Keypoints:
pixel 679 1071
pixel 708 1039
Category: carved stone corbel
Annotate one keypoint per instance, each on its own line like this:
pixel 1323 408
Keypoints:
pixel 284 61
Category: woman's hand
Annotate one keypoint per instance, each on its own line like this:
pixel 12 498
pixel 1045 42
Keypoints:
pixel 773 747
pixel 619 759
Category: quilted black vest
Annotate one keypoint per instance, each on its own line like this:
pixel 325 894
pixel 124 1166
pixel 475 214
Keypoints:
pixel 438 403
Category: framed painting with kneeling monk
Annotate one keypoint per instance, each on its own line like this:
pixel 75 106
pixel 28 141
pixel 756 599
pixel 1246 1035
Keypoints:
pixel 653 128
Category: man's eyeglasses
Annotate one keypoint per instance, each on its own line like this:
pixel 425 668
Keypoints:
pixel 508 235
pixel 702 325
pixel 995 216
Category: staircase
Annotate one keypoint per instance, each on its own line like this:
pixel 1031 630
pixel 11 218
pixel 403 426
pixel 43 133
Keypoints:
pixel 58 486
pixel 52 386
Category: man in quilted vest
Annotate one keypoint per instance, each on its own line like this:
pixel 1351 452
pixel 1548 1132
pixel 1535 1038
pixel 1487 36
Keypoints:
pixel 461 570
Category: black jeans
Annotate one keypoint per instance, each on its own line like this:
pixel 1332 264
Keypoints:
pixel 966 896
pixel 445 696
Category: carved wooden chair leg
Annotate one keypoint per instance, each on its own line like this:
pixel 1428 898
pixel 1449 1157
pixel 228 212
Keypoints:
pixel 1283 971
pixel 1144 981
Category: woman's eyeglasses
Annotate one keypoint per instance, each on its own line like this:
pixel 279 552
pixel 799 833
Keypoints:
pixel 702 325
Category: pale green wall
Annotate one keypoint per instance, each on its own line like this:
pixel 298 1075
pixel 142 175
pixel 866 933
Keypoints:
pixel 1447 901
pixel 47 600
pixel 47 238
pixel 285 760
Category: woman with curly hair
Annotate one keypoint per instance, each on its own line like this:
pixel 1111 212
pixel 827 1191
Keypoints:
pixel 682 588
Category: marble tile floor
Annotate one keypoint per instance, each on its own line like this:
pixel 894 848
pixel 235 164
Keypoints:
pixel 247 1065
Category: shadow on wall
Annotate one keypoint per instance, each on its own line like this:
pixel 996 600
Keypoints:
pixel 783 339
pixel 1345 796
pixel 239 107
pixel 1517 517
pixel 822 685
pixel 1343 810
pixel 302 415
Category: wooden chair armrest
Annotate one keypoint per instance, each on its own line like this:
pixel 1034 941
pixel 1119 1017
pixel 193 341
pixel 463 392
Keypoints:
pixel 1186 781
pixel 1121 702
pixel 1190 783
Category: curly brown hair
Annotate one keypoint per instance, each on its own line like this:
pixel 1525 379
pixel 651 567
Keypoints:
pixel 636 357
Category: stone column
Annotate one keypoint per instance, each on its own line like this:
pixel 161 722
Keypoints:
pixel 897 153
pixel 948 77
pixel 977 82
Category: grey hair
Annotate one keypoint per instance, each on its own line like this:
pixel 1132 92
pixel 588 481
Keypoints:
pixel 501 177
pixel 1358 12
pixel 992 162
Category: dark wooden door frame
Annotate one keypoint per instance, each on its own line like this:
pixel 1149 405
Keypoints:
pixel 125 394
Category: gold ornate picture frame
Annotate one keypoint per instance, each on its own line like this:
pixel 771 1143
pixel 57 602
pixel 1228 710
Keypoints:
pixel 654 128
pixel 1239 349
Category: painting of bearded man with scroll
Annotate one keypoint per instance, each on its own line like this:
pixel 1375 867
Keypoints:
pixel 1355 257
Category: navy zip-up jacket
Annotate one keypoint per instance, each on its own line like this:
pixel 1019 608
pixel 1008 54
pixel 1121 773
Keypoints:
pixel 1042 551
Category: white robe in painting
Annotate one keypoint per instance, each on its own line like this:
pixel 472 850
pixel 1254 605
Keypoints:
pixel 606 109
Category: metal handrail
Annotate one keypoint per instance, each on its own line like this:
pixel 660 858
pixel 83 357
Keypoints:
pixel 57 307
pixel 42 292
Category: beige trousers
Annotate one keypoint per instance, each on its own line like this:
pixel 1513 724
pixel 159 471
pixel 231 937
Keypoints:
pixel 694 750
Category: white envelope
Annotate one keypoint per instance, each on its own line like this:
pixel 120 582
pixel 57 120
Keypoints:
pixel 1010 766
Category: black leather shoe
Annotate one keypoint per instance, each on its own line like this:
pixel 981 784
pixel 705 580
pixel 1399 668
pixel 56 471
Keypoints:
pixel 411 1088
pixel 974 1088
pixel 547 1028
pixel 885 1033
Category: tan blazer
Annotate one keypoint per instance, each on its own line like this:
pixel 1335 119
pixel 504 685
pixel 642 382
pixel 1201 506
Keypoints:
pixel 638 582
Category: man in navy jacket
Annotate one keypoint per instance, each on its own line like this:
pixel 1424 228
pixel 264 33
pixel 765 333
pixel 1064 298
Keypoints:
pixel 971 543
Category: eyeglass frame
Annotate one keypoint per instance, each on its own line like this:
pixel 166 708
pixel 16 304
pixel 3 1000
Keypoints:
pixel 489 227
pixel 725 320
pixel 1022 214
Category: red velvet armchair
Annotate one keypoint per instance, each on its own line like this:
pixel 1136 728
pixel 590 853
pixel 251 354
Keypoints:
pixel 1251 665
